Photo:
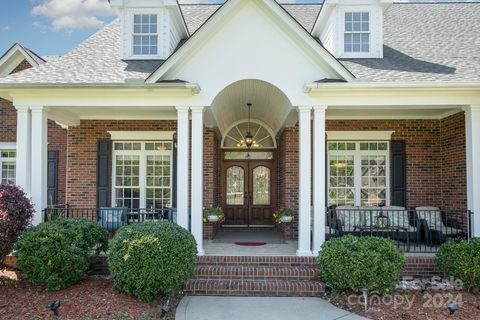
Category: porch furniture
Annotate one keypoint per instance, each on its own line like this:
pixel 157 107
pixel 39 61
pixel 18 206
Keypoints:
pixel 393 232
pixel 112 219
pixel 437 226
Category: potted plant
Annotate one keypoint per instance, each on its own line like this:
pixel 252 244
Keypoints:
pixel 283 216
pixel 213 214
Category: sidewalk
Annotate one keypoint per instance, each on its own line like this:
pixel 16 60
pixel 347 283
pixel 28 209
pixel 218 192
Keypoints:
pixel 261 308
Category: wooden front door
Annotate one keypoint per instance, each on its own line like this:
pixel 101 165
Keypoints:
pixel 248 191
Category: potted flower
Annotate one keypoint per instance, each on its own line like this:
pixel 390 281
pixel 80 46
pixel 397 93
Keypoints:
pixel 283 216
pixel 213 214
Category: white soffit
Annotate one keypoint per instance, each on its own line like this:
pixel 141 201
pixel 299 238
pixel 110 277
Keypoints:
pixel 359 135
pixel 141 135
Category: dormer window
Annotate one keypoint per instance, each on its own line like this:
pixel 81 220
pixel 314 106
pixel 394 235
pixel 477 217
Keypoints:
pixel 357 32
pixel 145 34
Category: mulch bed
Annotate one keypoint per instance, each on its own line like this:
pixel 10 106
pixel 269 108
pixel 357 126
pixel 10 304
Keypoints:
pixel 428 305
pixel 89 299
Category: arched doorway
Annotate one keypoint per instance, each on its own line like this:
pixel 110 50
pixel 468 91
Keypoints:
pixel 248 174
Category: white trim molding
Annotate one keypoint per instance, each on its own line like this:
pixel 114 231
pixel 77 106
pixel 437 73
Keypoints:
pixel 141 135
pixel 359 135
pixel 8 145
pixel 472 139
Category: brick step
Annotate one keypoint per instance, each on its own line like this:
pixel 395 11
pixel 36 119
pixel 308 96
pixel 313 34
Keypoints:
pixel 279 288
pixel 256 260
pixel 259 272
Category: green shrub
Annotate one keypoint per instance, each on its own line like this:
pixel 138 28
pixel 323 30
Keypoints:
pixel 151 258
pixel 56 253
pixel 358 263
pixel 461 260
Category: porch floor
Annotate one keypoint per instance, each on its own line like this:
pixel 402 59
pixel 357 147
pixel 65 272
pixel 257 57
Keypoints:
pixel 289 248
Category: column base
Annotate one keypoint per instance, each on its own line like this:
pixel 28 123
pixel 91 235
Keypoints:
pixel 305 253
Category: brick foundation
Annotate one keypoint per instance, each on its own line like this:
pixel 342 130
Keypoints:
pixel 210 229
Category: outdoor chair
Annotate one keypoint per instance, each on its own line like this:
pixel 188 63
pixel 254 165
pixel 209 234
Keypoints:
pixel 112 219
pixel 437 226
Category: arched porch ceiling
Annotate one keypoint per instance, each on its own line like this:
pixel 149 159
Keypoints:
pixel 269 104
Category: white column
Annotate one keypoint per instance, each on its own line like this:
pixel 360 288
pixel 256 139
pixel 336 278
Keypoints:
pixel 182 166
pixel 39 162
pixel 318 177
pixel 304 191
pixel 472 137
pixel 197 177
pixel 24 136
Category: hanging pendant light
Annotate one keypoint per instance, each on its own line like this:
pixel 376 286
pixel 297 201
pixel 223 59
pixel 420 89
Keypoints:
pixel 247 141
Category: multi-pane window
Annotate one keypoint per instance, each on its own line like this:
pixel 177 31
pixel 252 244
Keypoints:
pixel 357 32
pixel 7 164
pixel 358 173
pixel 145 34
pixel 142 174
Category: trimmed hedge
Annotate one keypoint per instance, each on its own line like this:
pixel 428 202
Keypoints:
pixel 56 253
pixel 151 258
pixel 461 260
pixel 357 263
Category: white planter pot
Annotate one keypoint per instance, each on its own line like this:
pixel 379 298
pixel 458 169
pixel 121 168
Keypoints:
pixel 286 219
pixel 212 218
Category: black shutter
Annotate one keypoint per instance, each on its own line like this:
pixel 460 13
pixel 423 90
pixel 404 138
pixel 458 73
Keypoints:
pixel 52 177
pixel 104 151
pixel 174 175
pixel 399 174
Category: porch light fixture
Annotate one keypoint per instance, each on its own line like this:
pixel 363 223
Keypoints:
pixel 247 141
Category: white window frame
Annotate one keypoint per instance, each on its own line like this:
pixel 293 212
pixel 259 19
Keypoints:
pixel 147 34
pixel 357 158
pixel 353 32
pixel 142 153
pixel 10 148
pixel 375 32
pixel 161 33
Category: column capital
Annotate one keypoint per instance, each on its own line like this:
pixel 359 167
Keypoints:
pixel 472 108
pixel 21 108
pixel 320 108
pixel 37 108
pixel 197 109
pixel 182 108
pixel 304 108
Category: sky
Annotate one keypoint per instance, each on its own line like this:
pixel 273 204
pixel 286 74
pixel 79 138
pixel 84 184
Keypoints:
pixel 53 27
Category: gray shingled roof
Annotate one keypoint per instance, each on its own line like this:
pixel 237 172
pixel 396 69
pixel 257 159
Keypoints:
pixel 426 42
pixel 422 42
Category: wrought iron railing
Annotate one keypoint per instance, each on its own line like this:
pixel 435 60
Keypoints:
pixel 111 218
pixel 421 230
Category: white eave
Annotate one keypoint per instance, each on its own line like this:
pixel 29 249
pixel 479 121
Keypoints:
pixel 314 87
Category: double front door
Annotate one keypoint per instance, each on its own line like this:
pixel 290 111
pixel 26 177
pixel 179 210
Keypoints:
pixel 248 192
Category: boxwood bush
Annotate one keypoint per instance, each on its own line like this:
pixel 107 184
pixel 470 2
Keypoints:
pixel 56 253
pixel 357 263
pixel 151 258
pixel 461 260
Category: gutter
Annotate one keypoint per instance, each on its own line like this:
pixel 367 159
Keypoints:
pixel 193 87
pixel 432 85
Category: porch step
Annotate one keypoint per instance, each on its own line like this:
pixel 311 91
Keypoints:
pixel 231 272
pixel 287 276
pixel 278 288
pixel 256 260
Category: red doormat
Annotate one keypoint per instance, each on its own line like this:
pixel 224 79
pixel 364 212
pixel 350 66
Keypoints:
pixel 250 244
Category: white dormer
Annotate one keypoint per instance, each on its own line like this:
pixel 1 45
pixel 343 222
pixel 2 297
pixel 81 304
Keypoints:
pixel 151 29
pixel 352 28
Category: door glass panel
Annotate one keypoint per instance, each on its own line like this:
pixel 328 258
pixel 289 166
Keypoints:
pixel 374 181
pixel 261 186
pixel 235 185
pixel 342 186
pixel 127 181
pixel 158 182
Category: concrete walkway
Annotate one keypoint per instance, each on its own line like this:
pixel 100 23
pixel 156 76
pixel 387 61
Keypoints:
pixel 261 308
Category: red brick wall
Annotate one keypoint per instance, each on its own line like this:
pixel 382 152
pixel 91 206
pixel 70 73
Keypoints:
pixel 209 167
pixel 454 171
pixel 82 154
pixel 423 147
pixel 8 128
pixel 22 66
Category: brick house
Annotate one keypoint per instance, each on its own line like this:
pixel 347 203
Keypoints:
pixel 17 59
pixel 254 106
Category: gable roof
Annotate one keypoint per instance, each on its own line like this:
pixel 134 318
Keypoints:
pixel 281 13
pixel 423 42
pixel 15 55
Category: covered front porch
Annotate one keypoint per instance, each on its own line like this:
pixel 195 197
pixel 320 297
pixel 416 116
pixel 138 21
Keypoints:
pixel 355 165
